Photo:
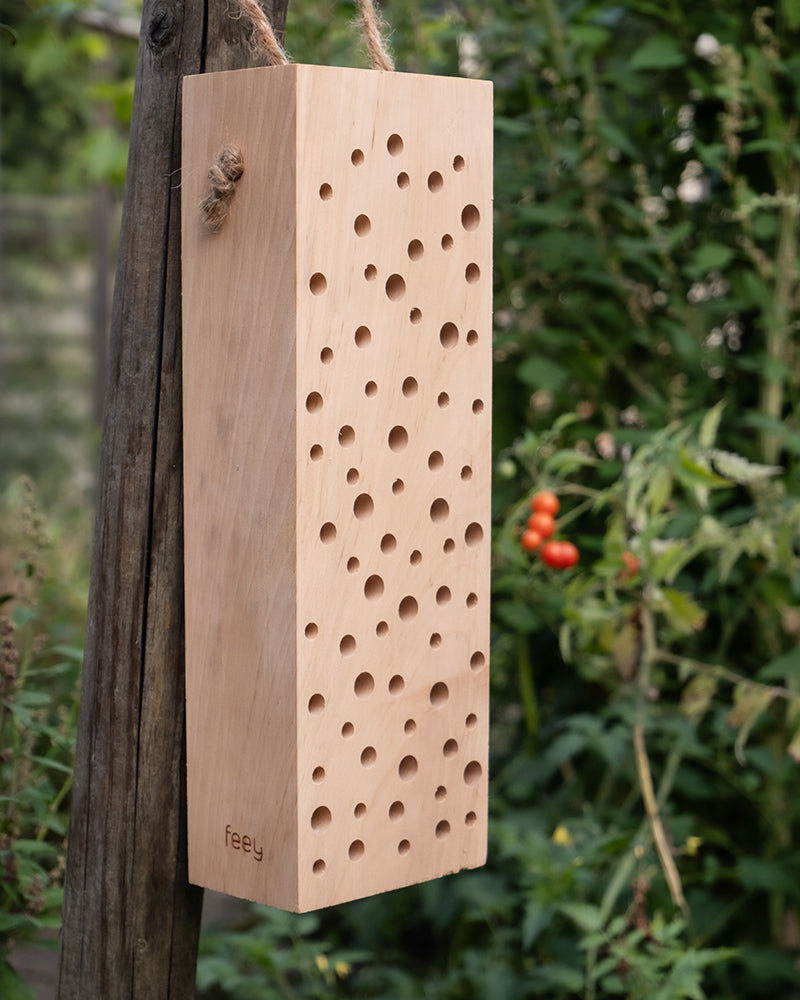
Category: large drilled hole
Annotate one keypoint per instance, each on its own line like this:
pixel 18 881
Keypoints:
pixel 373 587
pixel 314 402
pixel 316 452
pixel 396 810
pixel 395 287
pixel 382 629
pixel 352 477
pixel 357 157
pixel 371 389
pixel 471 721
pixel 443 596
pixel 448 546
pixel 403 180
pixel 394 144
pixel 458 164
pixel 327 532
pixel 388 544
pixel 362 336
pixel 466 473
pixel 404 847
pixel 474 534
pixel 435 640
pixel 370 272
pixel 346 436
pixel 353 564
pixel 326 355
pixel 311 630
pixel 360 810
pixel 435 181
pixel 415 558
pixel 472 772
pixel 477 661
pixel 364 506
pixel 410 727
pixel 472 337
pixel 362 225
pixel 398 486
pixel 440 794
pixel 443 400
pixel 364 684
pixel 416 250
pixel 316 704
pixel 325 192
pixel 398 438
pixel 347 730
pixel 347 645
pixel 408 608
pixel 318 775
pixel 435 460
pixel 470 217
pixel 439 510
pixel 356 850
pixel 410 387
pixel 447 242
pixel 319 867
pixel 320 818
pixel 408 767
pixel 442 829
pixel 470 819
pixel 317 283
pixel 368 756
pixel 472 600
pixel 396 684
pixel 450 748
pixel 415 315
pixel 477 406
pixel 439 694
pixel 448 335
pixel 472 273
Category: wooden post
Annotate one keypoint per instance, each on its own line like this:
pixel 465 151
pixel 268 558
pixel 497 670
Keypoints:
pixel 131 919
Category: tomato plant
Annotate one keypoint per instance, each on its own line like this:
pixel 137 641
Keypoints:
pixel 545 502
pixel 560 554
pixel 531 540
pixel 542 523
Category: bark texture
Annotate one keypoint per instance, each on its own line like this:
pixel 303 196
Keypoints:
pixel 131 919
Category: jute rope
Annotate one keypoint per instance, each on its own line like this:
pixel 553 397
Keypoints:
pixel 228 166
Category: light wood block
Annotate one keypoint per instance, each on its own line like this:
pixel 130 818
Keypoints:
pixel 337 409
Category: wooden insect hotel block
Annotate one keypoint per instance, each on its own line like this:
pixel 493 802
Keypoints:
pixel 337 387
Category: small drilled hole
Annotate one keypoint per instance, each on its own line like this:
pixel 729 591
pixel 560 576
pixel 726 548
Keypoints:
pixel 388 544
pixel 373 588
pixel 415 558
pixel 448 335
pixel 470 819
pixel 416 250
pixel 466 473
pixel 364 506
pixel 364 685
pixel 362 225
pixel 472 772
pixel 443 595
pixel 442 829
pixel 313 402
pixel 439 694
pixel 326 355
pixel 327 532
pixel 394 144
pixel 404 847
pixel 410 387
pixel 403 180
pixel 356 850
pixel 435 640
pixel 435 181
pixel 357 157
pixel 320 818
pixel 398 486
pixel 439 510
pixel 352 477
pixel 398 438
pixel 316 704
pixel 311 630
pixel 447 242
pixel 450 749
pixel 449 545
pixel 346 436
pixel 443 400
pixel 474 534
pixel 470 217
pixel 318 775
pixel 347 645
pixel 382 629
pixel 370 272
pixel 317 283
pixel 396 810
pixel 368 756
pixel 353 564
pixel 347 730
pixel 458 164
pixel 415 315
pixel 472 600
pixel 316 452
pixel 395 287
pixel 477 661
pixel 396 684
pixel 435 460
pixel 471 721
pixel 472 273
pixel 408 608
pixel 325 192
pixel 410 727
pixel 362 336
pixel 472 337
pixel 360 810
pixel 477 406
pixel 370 389
pixel 319 867
pixel 408 767
pixel 440 794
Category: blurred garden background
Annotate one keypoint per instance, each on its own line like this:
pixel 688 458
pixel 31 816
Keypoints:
pixel 645 803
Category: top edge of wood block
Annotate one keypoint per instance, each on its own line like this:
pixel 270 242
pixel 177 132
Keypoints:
pixel 300 69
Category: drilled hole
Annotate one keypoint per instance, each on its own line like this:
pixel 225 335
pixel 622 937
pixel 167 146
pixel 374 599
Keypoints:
pixel 450 748
pixel 458 164
pixel 448 335
pixel 435 640
pixel 326 355
pixel 316 452
pixel 410 387
pixel 395 287
pixel 370 389
pixel 364 684
pixel 364 506
pixel 472 337
pixel 396 684
pixel 394 144
pixel 325 192
pixel 472 772
pixel 435 460
pixel 415 558
pixel 352 477
pixel 470 217
pixel 327 532
pixel 466 473
pixel 435 181
pixel 347 645
pixel 346 436
pixel 403 180
pixel 373 587
pixel 320 818
pixel 477 661
pixel 388 544
pixel 347 730
pixel 477 406
pixel 404 847
pixel 382 629
pixel 408 608
pixel 318 775
pixel 415 315
pixel 362 225
pixel 447 242
pixel 356 850
pixel 443 400
pixel 398 486
pixel 319 867
pixel 396 810
pixel 439 694
pixel 443 595
pixel 474 534
pixel 317 283
pixel 311 630
pixel 370 272
pixel 316 704
pixel 353 564
pixel 472 273
pixel 442 829
pixel 471 721
pixel 360 810
pixel 357 157
pixel 313 402
pixel 398 438
pixel 440 794
pixel 439 510
pixel 470 819
pixel 410 727
pixel 449 546
pixel 368 756
pixel 416 250
pixel 408 767
pixel 472 600
pixel 362 336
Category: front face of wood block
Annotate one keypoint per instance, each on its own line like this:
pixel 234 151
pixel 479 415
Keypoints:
pixel 387 661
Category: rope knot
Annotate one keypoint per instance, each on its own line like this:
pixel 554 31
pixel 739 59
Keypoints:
pixel 223 174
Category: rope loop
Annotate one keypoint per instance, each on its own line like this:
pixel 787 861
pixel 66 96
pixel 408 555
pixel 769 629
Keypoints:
pixel 223 174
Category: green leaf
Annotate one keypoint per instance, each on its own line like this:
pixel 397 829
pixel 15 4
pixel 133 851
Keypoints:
pixel 542 373
pixel 782 668
pixel 12 986
pixel 658 52
pixel 711 257
pixel 588 918
pixel 738 469
pixel 697 696
pixel 749 702
pixel 791 13
pixel 680 610
pixel 710 425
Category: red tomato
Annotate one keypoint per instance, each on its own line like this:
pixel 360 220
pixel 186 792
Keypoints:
pixel 531 540
pixel 560 555
pixel 542 522
pixel 546 502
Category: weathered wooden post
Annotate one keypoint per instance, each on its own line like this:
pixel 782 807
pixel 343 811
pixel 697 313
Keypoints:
pixel 131 919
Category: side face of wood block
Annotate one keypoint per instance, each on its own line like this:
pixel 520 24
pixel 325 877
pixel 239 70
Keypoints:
pixel 337 367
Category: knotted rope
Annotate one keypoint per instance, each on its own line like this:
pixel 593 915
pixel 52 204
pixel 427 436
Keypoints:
pixel 223 174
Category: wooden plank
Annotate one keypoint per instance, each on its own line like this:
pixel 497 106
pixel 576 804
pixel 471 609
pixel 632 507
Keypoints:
pixel 337 385
pixel 131 919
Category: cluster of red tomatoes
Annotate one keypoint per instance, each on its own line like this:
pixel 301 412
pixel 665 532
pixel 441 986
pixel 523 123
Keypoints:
pixel 541 526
